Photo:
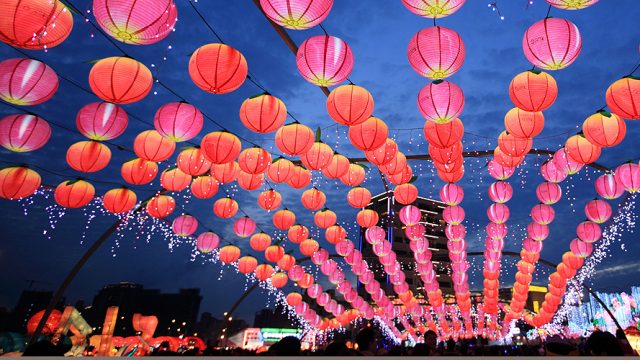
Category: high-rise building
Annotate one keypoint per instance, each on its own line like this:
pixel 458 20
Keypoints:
pixel 431 211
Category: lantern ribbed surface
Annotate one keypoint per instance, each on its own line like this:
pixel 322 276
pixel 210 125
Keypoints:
pixel 101 121
pixel 297 14
pixel 26 81
pixel 571 4
pixel 324 60
pixel 218 68
pixel 433 9
pixel 436 52
pixel 23 132
pixel 120 80
pixel 34 24
pixel 552 43
pixel 441 102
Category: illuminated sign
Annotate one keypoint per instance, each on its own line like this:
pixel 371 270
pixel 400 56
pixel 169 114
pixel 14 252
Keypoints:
pixel 271 334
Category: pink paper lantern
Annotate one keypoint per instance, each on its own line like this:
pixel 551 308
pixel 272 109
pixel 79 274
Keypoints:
pixel 419 246
pixel 244 227
pixel 457 246
pixel 580 248
pixel 552 43
pixel 453 214
pixel 382 248
pixel 572 4
pixel 207 242
pixel 344 248
pixel 498 213
pixel 436 52
pixel 27 82
pixel 296 272
pixel 455 232
pixel 458 257
pixel 565 164
pixel 498 171
pixel 343 288
pixel 184 225
pixel 375 234
pixel 366 277
pixel 398 278
pixel 549 193
pixel 324 60
pixel 372 287
pixel 494 244
pixel 496 231
pixel 537 232
pixel 24 132
pixel 531 245
pixel 492 266
pixel 609 186
pixel 451 194
pixel 459 278
pixel 422 257
pixel 101 121
pixel 492 256
pixel 433 9
pixel 320 256
pixel 415 232
pixel 588 231
pixel 354 257
pixel 500 192
pixel 314 291
pixel 629 176
pixel 459 267
pixel 410 215
pixel 297 14
pixel 598 211
pixel 542 214
pixel 440 101
pixel 552 173
pixel 178 121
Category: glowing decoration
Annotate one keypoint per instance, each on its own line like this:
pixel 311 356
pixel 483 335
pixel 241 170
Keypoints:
pixel 523 124
pixel 294 139
pixel 453 214
pixel 139 171
pixel 325 218
pixel 498 171
pixel 443 135
pixel 580 248
pixel 565 164
pixel 533 91
pixel 184 225
pixel 367 218
pixel 350 105
pixel 537 232
pixel 298 233
pixel 358 197
pixel 588 231
pixel 254 160
pixel 229 254
pixel 337 167
pixel 101 121
pixel 455 232
pixel 571 4
pixel 207 242
pixel 355 176
pixel 499 192
pixel 218 68
pixel 542 214
pixel 279 280
pixel 260 241
pixel 150 145
pixel 294 299
pixel 136 22
pixel 552 173
pixel 297 14
pixel 193 162
pixel 308 247
pixel 284 219
pixel 225 173
pixel 269 199
pixel 580 150
pixel 244 227
pixel 514 146
pixel 335 234
pixel 396 165
pixel 305 281
pixel 609 186
pixel 300 178
pixel 324 60
pixel 452 176
pixel 120 80
pixel 405 194
pixel 161 206
pixel 433 9
pixel 23 132
pixel 552 43
pixel 410 215
pixel 498 213
pixel 119 200
pixel 344 248
pixel 369 135
pixel 35 24
pixel 286 262
pixel 436 52
pixel 313 199
pixel 17 182
pixel 604 129
pixel 531 245
pixel 384 154
pixel 402 177
pixel 548 193
pixel 250 182
pixel 623 99
pixel 88 156
pixel 274 253
pixel 247 264
pixel 451 194
pixel 280 170
pixel 174 179
pixel 598 211
pixel 74 194
pixel 26 81
pixel 629 176
pixel 225 208
pixel 318 156
pixel 441 101
pixel 263 113
pixel 178 121
pixel 220 147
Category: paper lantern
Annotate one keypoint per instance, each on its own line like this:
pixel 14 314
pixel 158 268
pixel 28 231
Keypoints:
pixel 294 139
pixel 74 194
pixel 225 173
pixel 193 162
pixel 542 214
pixel 220 147
pixel 298 233
pixel 396 165
pixel 498 213
pixel 308 247
pixel 405 194
pixel 552 43
pixel 514 146
pixel 300 178
pixel 506 160
pixel 436 52
pixel 179 121
pixel 500 192
pixel 254 160
pixel 229 254
pixel 443 135
pixel 403 177
pixel 415 232
pixel 537 232
pixel 317 157
pixel 533 91
pixel 324 60
pixel 604 129
pixel 247 264
pixel 572 4
pixel 35 24
pixel 23 132
pixel 451 194
pixel 369 135
pixel 455 232
pixel 260 241
pixel 335 234
pixel 279 280
pixel 344 248
pixel 548 193
pixel 88 156
pixel 629 176
pixel 451 177
pixel 269 199
pixel 313 199
pixel 139 171
pixel 150 145
pixel 119 200
pixel 410 215
pixel 580 150
pixel 572 261
pixel 623 99
pixel 453 214
pixel 120 80
pixel 274 253
pixel 263 113
pixel 355 176
pixel 250 182
pixel 441 101
pixel 609 186
pixel 296 14
pixel 384 154
pixel 17 182
pixel 523 124
pixel 184 225
pixel 337 167
pixel 552 173
pixel 580 248
pixel 244 227
pixel 433 9
pixel 174 179
pixel 161 206
pixel 358 197
pixel 284 219
pixel 136 22
pixel 225 208
pixel 499 171
pixel 531 245
pixel 566 164
pixel 294 299
pixel 218 68
pixel 280 170
pixel 598 211
pixel 367 218
pixel 446 155
pixel 495 231
pixel 26 82
pixel 207 242
pixel 325 218
pixel 101 121
pixel 588 231
pixel 350 105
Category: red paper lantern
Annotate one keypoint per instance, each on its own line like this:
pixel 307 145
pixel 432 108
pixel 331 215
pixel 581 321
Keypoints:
pixel 24 132
pixel 204 187
pixel 280 170
pixel 533 91
pixel 367 218
pixel 325 218
pixel 350 104
pixel 441 101
pixel 313 199
pixel 260 241
pixel 250 182
pixel 284 219
pixel 225 208
pixel 294 299
pixel 604 129
pixel 514 146
pixel 436 52
pixel 218 68
pixel 523 124
pixel 324 60
pixel 294 139
pixel 161 206
pixel 269 199
pixel 274 253
pixel 101 121
pixel 335 234
pixel 580 150
pixel 384 154
pixel 623 99
pixel 88 156
pixel 552 43
pixel 139 171
pixel 17 182
pixel 358 197
pixel 174 179
pixel 225 173
pixel 337 167
pixel 297 14
pixel 254 160
pixel 279 280
pixel 355 176
pixel 300 178
pixel 150 145
pixel 263 113
pixel 74 194
pixel 229 254
pixel 443 135
pixel 286 262
pixel 402 177
pixel 446 155
pixel 220 147
pixel 297 233
pixel 318 156
pixel 193 162
pixel 369 135
pixel 178 121
pixel 396 165
pixel 405 194
pixel 26 81
pixel 35 24
pixel 120 80
pixel 451 177
pixel 247 264
pixel 308 247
